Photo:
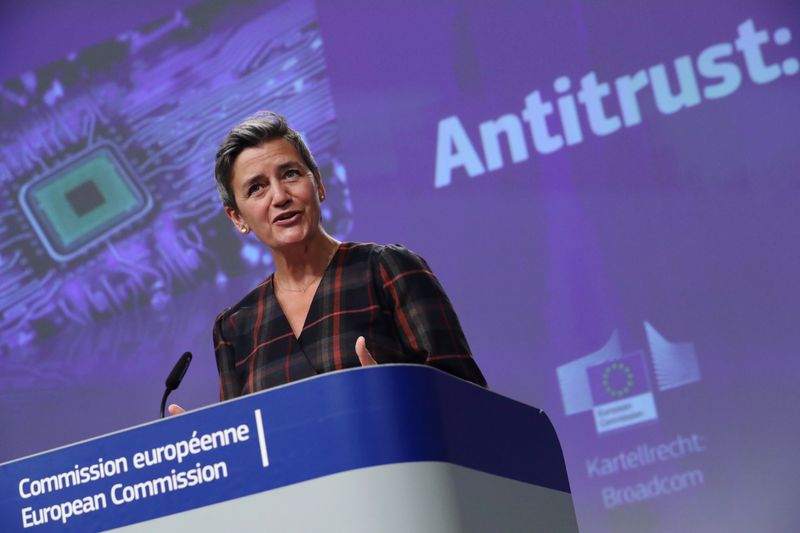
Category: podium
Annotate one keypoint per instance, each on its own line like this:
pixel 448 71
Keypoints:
pixel 390 448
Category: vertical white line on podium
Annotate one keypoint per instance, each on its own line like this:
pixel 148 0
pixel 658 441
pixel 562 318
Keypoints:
pixel 262 442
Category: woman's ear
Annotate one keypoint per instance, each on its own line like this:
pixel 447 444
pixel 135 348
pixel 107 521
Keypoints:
pixel 237 220
pixel 320 186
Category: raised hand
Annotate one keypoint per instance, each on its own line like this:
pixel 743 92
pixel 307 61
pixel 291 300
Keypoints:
pixel 363 354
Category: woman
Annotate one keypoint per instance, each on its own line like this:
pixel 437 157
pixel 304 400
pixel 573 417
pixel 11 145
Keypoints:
pixel 329 305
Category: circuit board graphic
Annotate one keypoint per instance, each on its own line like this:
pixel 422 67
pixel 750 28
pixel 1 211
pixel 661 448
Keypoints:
pixel 108 201
pixel 91 196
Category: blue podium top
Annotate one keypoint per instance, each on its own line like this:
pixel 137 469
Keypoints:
pixel 320 426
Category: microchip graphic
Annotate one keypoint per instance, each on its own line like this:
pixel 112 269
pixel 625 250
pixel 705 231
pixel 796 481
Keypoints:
pixel 82 202
pixel 85 198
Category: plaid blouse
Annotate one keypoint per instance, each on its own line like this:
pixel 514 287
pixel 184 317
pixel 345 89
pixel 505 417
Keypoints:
pixel 388 294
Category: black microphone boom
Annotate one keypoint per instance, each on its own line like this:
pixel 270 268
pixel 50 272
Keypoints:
pixel 175 377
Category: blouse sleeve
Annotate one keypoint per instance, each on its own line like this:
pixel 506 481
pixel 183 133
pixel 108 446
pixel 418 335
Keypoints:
pixel 229 386
pixel 425 320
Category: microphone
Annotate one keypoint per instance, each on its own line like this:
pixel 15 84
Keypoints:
pixel 175 377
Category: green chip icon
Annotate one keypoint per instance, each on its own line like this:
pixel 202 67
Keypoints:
pixel 83 201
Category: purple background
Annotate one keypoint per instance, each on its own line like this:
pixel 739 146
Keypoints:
pixel 689 221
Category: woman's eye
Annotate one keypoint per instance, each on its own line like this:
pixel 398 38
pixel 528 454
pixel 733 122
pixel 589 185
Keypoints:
pixel 292 173
pixel 254 189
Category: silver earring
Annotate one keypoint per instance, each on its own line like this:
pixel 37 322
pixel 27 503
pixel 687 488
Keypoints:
pixel 244 229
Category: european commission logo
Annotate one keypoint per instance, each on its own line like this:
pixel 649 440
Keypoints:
pixel 616 387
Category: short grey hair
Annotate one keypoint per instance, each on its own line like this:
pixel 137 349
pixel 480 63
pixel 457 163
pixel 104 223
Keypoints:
pixel 254 131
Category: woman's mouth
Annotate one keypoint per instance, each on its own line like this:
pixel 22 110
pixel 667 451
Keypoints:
pixel 287 219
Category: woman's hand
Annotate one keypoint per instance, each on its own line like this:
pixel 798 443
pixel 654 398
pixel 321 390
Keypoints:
pixel 361 351
pixel 175 409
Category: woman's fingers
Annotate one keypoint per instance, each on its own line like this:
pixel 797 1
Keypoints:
pixel 175 409
pixel 363 354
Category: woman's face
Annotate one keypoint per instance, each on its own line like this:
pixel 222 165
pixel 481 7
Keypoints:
pixel 276 193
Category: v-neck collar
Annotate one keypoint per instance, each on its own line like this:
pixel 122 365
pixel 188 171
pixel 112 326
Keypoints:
pixel 313 306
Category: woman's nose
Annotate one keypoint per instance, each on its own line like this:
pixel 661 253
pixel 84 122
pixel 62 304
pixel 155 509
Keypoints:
pixel 280 194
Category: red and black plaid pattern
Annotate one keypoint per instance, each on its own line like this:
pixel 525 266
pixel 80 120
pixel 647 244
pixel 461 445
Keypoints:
pixel 388 294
